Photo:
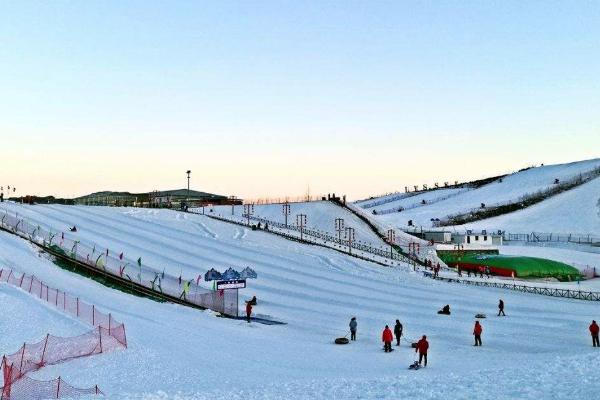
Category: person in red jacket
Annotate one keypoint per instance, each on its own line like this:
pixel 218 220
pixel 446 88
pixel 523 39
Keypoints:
pixel 248 310
pixel 594 329
pixel 477 332
pixel 422 347
pixel 387 337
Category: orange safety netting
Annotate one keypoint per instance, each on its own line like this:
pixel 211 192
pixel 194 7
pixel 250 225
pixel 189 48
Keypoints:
pixel 107 335
pixel 27 388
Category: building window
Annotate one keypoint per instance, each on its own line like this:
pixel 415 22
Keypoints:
pixel 485 238
pixel 476 238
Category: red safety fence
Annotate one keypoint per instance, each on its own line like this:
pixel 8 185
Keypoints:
pixel 67 303
pixel 27 388
pixel 53 350
pixel 108 334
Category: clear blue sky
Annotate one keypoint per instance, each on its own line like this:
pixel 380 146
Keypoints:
pixel 266 98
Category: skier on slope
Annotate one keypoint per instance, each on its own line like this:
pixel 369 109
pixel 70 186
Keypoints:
pixel 387 337
pixel 422 347
pixel 398 332
pixel 477 330
pixel 501 308
pixel 353 326
pixel 594 329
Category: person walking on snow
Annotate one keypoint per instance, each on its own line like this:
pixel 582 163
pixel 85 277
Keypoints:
pixel 501 308
pixel 422 347
pixel 353 325
pixel 387 337
pixel 477 332
pixel 248 310
pixel 398 332
pixel 594 329
pixel 186 290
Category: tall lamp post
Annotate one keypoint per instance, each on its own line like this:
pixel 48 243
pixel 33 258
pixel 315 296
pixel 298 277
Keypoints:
pixel 188 172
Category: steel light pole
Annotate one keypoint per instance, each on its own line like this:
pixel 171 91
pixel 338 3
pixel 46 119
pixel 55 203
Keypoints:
pixel 349 236
pixel 248 210
pixel 188 172
pixel 286 211
pixel 339 227
pixel 301 222
pixel 391 237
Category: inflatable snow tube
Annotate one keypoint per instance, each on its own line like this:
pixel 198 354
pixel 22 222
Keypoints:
pixel 342 340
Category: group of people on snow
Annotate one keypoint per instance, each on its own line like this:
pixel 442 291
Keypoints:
pixel 388 337
pixel 422 346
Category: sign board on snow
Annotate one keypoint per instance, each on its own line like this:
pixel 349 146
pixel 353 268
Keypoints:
pixel 231 284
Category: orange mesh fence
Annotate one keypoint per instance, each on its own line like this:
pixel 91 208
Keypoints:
pixel 27 388
pixel 66 303
pixel 53 350
pixel 107 335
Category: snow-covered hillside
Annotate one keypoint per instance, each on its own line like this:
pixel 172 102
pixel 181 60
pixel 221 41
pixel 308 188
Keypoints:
pixel 320 215
pixel 177 352
pixel 576 211
pixel 511 188
pixel 418 200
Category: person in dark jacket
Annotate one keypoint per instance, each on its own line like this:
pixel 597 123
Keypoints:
pixel 594 329
pixel 445 310
pixel 387 337
pixel 477 330
pixel 501 308
pixel 398 332
pixel 422 347
pixel 353 326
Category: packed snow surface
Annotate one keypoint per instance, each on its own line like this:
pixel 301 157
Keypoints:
pixel 511 188
pixel 320 215
pixel 542 349
pixel 576 211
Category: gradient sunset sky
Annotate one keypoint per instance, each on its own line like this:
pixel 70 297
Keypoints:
pixel 262 98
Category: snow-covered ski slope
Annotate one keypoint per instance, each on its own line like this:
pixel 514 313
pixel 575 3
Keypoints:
pixel 177 352
pixel 511 188
pixel 576 211
pixel 320 215
pixel 418 200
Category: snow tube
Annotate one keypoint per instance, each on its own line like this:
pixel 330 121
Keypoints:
pixel 342 340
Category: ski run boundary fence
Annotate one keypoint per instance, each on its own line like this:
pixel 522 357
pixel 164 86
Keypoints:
pixel 546 291
pixel 122 269
pixel 107 335
pixel 312 236
pixel 542 237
